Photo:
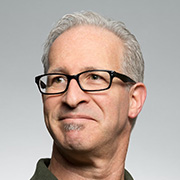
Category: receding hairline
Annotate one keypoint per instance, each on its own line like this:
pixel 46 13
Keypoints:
pixel 133 63
pixel 116 43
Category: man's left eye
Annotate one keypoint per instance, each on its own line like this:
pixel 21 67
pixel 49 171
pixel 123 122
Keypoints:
pixel 95 77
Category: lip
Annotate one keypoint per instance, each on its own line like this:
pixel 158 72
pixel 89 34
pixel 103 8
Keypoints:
pixel 76 117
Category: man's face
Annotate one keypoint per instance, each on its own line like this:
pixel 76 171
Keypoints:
pixel 85 121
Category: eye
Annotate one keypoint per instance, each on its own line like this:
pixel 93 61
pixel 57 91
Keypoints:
pixel 59 79
pixel 54 80
pixel 95 77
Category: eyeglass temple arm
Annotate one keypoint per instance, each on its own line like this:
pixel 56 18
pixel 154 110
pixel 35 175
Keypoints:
pixel 123 77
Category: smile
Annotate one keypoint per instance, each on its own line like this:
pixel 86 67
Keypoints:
pixel 75 118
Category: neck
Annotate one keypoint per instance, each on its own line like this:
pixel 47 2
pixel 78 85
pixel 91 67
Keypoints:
pixel 85 166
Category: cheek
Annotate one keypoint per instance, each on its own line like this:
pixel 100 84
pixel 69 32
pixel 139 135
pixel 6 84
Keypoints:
pixel 114 107
pixel 51 104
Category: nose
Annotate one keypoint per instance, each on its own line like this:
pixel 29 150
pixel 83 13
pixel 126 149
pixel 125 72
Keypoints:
pixel 74 95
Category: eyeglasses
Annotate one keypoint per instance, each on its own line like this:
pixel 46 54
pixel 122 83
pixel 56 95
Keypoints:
pixel 91 80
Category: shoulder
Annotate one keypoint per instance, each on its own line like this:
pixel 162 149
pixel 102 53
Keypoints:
pixel 42 172
pixel 127 175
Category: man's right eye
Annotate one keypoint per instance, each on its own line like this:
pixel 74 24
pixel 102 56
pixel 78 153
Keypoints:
pixel 58 80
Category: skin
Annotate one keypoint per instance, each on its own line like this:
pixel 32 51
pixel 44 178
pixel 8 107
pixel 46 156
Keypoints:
pixel 102 121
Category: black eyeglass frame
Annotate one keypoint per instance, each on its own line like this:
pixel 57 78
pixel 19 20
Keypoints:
pixel 112 74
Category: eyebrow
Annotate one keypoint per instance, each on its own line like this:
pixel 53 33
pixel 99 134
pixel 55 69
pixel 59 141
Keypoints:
pixel 64 70
pixel 58 70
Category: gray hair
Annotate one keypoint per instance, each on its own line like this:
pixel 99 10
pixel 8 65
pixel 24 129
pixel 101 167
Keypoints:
pixel 133 63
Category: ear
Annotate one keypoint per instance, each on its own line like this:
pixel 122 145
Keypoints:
pixel 137 98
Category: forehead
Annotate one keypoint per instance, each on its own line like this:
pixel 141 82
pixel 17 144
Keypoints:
pixel 85 46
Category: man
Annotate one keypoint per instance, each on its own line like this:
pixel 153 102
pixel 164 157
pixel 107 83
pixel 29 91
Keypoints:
pixel 92 92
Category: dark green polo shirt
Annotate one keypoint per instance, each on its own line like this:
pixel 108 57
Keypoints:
pixel 42 172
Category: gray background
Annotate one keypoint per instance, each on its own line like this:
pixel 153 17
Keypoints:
pixel 24 25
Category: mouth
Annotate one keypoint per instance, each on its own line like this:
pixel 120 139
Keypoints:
pixel 75 122
pixel 75 117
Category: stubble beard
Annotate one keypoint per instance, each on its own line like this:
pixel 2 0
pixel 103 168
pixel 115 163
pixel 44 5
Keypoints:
pixel 72 127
